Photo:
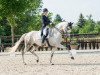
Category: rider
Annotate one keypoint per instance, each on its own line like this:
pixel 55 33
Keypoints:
pixel 45 23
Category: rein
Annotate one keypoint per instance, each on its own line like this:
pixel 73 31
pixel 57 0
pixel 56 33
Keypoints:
pixel 63 34
pixel 59 30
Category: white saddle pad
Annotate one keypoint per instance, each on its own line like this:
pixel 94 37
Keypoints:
pixel 45 31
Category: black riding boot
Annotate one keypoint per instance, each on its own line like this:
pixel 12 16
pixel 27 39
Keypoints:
pixel 43 39
pixel 48 42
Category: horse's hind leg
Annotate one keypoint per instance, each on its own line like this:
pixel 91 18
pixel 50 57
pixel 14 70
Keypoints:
pixel 32 51
pixel 23 57
pixel 23 52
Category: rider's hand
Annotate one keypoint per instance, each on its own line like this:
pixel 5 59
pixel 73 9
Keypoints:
pixel 52 24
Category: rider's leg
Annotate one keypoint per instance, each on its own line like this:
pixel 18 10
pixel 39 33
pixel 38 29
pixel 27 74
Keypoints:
pixel 48 42
pixel 42 32
pixel 47 38
pixel 43 38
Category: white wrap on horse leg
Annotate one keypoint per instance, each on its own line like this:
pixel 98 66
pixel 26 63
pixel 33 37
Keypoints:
pixel 72 52
pixel 12 54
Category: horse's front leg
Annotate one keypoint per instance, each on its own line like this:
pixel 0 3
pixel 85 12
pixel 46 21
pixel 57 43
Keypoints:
pixel 69 51
pixel 52 53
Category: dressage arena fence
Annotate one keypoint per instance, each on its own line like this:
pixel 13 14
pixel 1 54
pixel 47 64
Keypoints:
pixel 83 41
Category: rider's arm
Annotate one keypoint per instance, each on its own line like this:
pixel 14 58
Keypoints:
pixel 45 20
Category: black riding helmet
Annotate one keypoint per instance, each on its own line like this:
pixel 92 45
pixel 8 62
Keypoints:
pixel 45 10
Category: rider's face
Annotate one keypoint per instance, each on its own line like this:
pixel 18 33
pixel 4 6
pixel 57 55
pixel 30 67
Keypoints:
pixel 46 13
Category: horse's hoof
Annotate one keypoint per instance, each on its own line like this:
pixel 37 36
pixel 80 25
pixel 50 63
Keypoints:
pixel 52 64
pixel 37 61
pixel 72 58
pixel 25 64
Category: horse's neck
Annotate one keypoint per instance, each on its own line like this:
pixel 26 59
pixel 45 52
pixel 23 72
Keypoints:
pixel 56 32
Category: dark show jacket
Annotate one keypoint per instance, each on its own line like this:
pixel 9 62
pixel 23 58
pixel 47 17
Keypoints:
pixel 45 21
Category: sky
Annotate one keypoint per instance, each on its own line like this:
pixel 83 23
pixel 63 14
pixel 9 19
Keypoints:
pixel 70 10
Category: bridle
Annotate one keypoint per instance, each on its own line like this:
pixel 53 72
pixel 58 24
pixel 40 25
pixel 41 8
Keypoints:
pixel 60 31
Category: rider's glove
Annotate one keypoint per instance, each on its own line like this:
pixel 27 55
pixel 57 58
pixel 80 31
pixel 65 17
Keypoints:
pixel 52 24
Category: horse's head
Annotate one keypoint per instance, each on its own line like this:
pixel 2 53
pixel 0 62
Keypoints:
pixel 70 25
pixel 65 27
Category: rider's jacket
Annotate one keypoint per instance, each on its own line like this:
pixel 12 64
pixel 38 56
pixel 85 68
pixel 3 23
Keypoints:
pixel 45 21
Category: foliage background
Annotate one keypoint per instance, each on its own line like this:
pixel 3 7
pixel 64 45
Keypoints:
pixel 28 17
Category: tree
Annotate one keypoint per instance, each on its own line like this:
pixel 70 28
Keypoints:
pixel 89 25
pixel 28 23
pixel 81 21
pixel 13 9
pixel 4 27
pixel 97 27
pixel 57 19
pixel 75 30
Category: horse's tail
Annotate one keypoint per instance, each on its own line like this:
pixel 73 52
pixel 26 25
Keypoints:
pixel 14 48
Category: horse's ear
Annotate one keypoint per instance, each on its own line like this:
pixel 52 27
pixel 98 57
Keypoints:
pixel 72 23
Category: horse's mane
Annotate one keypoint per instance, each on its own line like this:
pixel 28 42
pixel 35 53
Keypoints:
pixel 60 24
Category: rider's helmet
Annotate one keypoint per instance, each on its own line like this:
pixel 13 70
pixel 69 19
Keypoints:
pixel 45 10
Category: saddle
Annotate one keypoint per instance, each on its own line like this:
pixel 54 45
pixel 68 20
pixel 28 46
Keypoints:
pixel 47 32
